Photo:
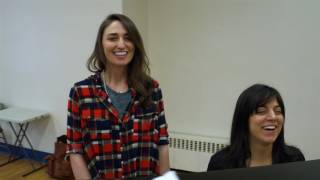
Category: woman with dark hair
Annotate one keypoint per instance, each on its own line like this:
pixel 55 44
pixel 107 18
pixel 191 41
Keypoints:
pixel 116 122
pixel 257 132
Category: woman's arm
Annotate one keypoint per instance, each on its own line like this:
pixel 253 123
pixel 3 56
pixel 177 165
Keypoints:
pixel 79 167
pixel 164 158
pixel 74 137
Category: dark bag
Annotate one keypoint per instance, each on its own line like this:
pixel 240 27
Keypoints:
pixel 58 167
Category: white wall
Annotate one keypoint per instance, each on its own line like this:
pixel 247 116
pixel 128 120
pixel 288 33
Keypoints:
pixel 204 53
pixel 45 48
pixel 137 10
pixel 1 44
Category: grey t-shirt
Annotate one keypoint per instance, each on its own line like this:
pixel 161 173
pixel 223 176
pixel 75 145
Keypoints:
pixel 119 100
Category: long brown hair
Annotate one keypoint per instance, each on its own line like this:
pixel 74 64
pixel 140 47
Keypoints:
pixel 138 68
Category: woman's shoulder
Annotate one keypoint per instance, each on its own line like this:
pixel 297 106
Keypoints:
pixel 293 154
pixel 292 150
pixel 154 83
pixel 92 79
pixel 83 87
pixel 219 160
pixel 220 154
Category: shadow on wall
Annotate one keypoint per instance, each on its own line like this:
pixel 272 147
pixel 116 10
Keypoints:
pixel 2 106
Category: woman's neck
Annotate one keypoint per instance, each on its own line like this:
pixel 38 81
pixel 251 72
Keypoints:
pixel 261 155
pixel 116 78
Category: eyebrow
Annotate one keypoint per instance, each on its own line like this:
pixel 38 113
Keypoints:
pixel 264 106
pixel 112 34
pixel 116 34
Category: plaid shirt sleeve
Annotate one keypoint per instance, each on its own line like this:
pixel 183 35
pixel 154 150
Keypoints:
pixel 161 124
pixel 74 130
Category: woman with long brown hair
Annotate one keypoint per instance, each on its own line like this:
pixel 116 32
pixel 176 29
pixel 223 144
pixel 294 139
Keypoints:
pixel 116 123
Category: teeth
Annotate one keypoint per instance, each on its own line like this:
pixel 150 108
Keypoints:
pixel 120 53
pixel 269 127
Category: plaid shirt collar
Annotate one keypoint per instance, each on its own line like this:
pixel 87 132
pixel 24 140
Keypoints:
pixel 103 96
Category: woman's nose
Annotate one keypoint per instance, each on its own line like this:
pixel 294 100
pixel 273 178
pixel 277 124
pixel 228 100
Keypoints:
pixel 121 43
pixel 271 115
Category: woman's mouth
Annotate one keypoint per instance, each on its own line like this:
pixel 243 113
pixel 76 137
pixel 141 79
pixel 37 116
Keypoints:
pixel 269 127
pixel 120 53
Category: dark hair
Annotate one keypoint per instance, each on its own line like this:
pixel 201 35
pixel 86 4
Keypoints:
pixel 138 68
pixel 250 99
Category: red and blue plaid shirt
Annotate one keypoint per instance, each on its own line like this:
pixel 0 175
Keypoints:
pixel 114 147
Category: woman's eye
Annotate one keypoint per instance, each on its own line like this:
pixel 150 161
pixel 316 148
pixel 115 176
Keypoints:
pixel 127 38
pixel 278 110
pixel 260 110
pixel 112 38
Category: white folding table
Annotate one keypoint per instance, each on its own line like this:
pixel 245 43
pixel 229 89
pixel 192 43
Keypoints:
pixel 21 117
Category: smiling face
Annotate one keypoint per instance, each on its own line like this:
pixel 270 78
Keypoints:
pixel 117 46
pixel 265 123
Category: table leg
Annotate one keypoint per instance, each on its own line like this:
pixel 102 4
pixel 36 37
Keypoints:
pixel 20 136
pixel 9 148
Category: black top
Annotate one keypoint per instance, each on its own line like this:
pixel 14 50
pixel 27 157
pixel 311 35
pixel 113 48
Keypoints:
pixel 221 161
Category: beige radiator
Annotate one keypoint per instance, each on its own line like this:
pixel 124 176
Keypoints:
pixel 192 152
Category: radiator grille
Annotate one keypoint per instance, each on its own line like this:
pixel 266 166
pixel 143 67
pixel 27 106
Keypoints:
pixel 195 145
pixel 185 148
